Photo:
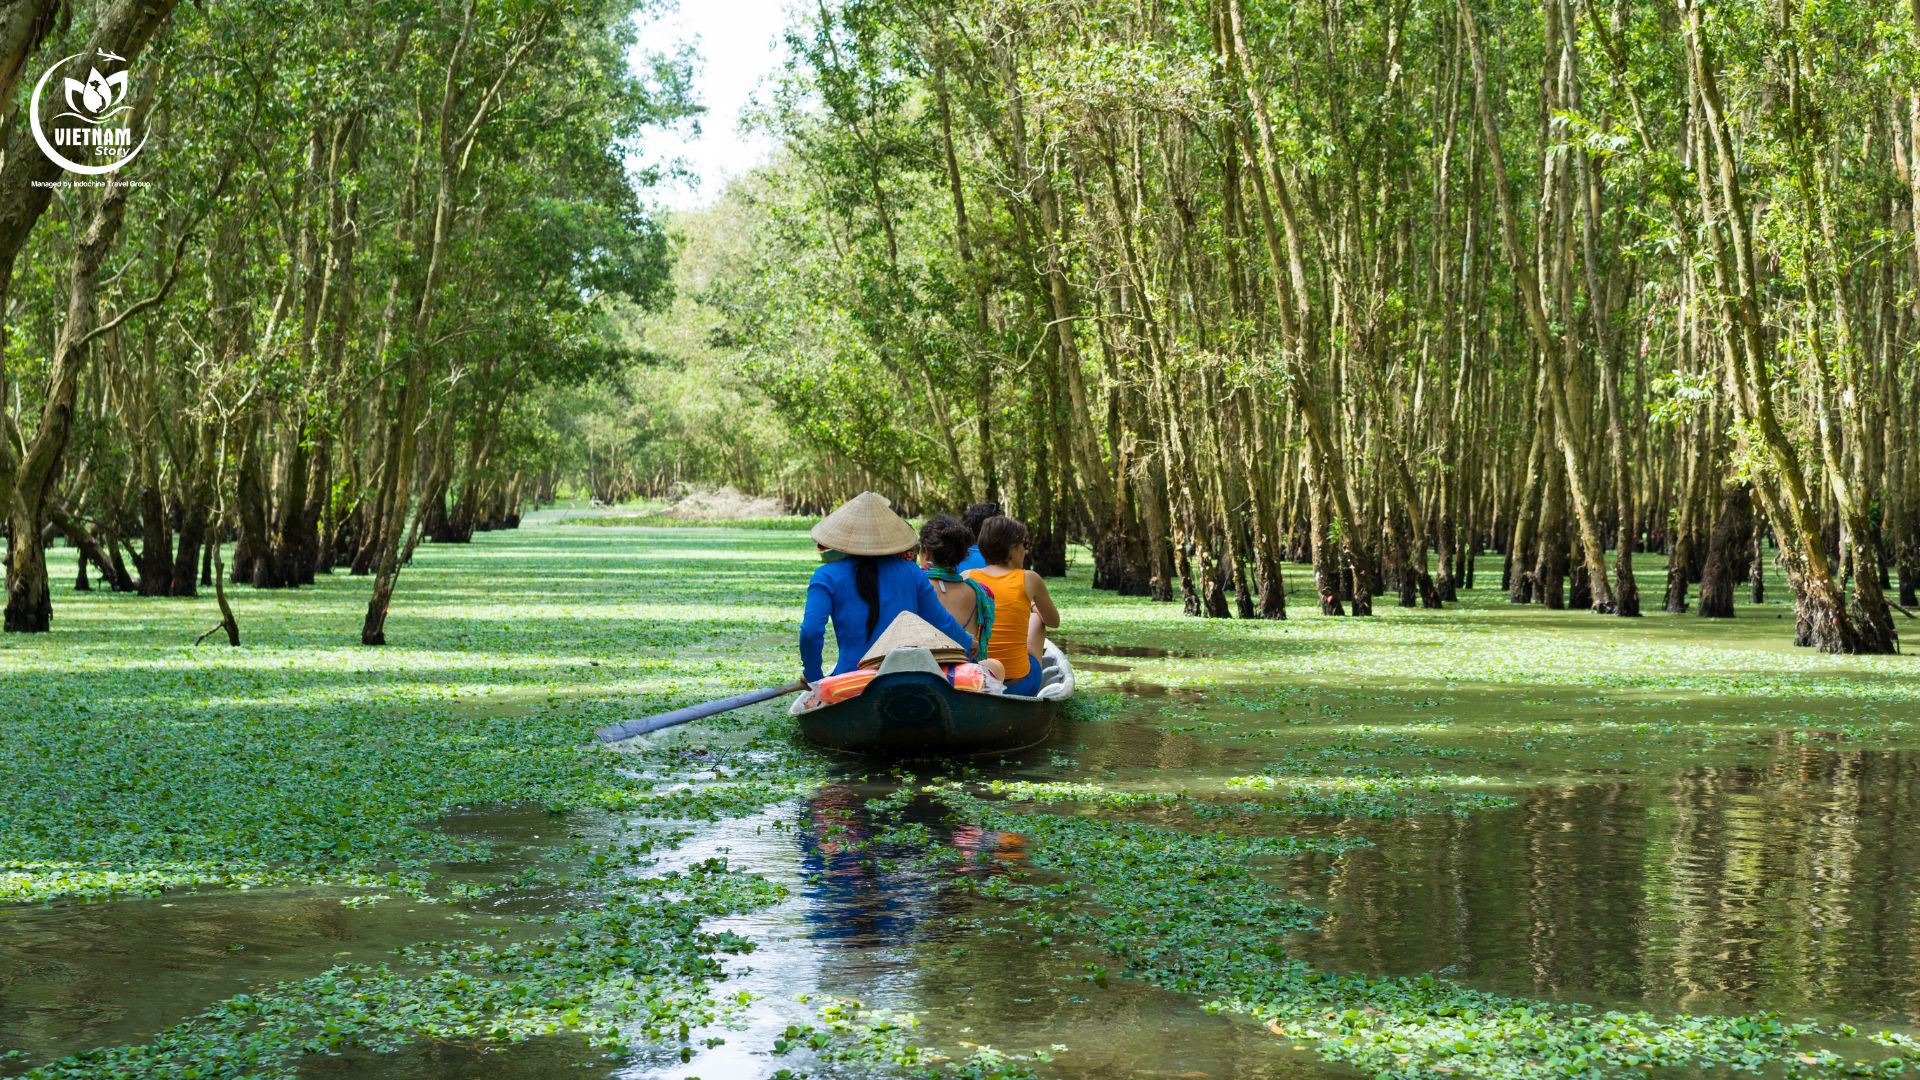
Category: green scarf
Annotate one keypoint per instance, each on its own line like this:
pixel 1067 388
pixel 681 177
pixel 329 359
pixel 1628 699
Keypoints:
pixel 982 601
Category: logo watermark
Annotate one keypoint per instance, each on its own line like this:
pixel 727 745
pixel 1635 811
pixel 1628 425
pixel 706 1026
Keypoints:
pixel 94 136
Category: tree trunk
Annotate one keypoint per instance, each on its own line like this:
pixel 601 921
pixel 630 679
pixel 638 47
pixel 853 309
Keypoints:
pixel 1326 554
pixel 156 545
pixel 193 535
pixel 1550 572
pixel 253 562
pixel 1295 307
pixel 1550 342
pixel 457 136
pixel 29 603
pixel 91 549
pixel 1725 548
pixel 1520 579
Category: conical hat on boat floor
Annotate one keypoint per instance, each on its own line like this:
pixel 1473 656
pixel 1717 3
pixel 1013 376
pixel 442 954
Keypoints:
pixel 910 631
pixel 865 525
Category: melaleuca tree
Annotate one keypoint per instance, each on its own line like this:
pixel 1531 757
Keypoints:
pixel 1220 284
pixel 374 232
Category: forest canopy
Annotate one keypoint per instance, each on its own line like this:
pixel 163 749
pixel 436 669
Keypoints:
pixel 425 532
pixel 1215 286
pixel 365 241
pixel 1209 286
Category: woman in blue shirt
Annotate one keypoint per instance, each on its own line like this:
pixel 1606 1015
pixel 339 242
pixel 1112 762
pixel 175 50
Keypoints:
pixel 865 583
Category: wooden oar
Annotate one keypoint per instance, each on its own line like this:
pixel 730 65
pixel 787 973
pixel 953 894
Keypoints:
pixel 647 724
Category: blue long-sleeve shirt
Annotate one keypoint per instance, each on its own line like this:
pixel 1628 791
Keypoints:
pixel 831 595
pixel 973 561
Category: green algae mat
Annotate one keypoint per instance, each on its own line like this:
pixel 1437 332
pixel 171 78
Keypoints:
pixel 1484 841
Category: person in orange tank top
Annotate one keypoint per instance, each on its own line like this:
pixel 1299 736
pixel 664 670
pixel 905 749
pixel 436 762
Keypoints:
pixel 1023 611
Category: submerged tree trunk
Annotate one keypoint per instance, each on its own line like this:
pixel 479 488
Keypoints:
pixel 156 545
pixel 1550 573
pixel 1326 556
pixel 1726 548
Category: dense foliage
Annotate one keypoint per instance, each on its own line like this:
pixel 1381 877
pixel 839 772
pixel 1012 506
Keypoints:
pixel 1407 292
pixel 1218 284
pixel 318 315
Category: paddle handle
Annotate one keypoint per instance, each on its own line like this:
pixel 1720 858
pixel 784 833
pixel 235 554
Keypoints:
pixel 648 724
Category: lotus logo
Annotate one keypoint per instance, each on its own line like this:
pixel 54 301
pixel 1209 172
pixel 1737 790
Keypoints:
pixel 97 94
pixel 93 136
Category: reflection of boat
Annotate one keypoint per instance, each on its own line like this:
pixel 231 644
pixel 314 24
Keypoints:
pixel 851 898
pixel 909 710
pixel 867 886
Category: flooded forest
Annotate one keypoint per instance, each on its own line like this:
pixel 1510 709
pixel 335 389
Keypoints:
pixel 1473 447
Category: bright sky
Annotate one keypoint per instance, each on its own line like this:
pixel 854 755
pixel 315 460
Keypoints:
pixel 739 45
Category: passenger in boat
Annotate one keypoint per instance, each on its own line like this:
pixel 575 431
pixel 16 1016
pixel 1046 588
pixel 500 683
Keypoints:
pixel 864 584
pixel 944 544
pixel 1022 608
pixel 975 516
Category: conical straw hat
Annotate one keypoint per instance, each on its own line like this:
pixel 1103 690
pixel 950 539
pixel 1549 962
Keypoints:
pixel 910 631
pixel 865 525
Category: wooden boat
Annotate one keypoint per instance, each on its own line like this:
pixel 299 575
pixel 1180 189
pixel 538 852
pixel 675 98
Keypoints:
pixel 909 710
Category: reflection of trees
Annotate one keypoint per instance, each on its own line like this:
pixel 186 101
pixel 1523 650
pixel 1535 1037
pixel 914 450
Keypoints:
pixel 1790 885
pixel 1780 886
pixel 77 975
pixel 1534 900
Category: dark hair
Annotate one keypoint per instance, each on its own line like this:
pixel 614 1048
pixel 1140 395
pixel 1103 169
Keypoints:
pixel 866 582
pixel 999 535
pixel 945 541
pixel 977 514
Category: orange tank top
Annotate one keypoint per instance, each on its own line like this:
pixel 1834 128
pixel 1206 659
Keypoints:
pixel 1011 609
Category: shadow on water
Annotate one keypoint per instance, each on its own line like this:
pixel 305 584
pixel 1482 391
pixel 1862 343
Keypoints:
pixel 1131 652
pixel 1782 886
pixel 553 1056
pixel 1139 688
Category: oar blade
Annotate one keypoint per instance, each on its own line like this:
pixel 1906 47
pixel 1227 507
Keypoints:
pixel 646 725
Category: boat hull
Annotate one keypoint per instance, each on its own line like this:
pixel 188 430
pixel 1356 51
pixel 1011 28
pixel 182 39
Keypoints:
pixel 918 714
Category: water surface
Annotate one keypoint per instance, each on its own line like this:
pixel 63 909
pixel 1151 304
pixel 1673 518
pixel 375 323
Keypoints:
pixel 1787 886
pixel 1674 852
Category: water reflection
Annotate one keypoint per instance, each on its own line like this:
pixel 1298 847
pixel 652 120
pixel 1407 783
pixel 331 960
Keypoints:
pixel 866 887
pixel 1131 652
pixel 872 917
pixel 78 975
pixel 1781 886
